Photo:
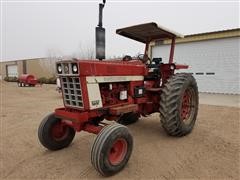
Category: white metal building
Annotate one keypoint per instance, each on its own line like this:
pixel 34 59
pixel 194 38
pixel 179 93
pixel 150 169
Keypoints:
pixel 214 59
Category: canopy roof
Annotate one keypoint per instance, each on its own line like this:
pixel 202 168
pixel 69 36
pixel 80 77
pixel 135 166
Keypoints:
pixel 147 32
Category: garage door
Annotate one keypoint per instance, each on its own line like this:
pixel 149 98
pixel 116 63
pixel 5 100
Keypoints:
pixel 214 63
pixel 12 71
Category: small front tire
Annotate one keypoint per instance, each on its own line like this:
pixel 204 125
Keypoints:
pixel 112 149
pixel 53 134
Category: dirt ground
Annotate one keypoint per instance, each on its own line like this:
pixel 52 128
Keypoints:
pixel 210 151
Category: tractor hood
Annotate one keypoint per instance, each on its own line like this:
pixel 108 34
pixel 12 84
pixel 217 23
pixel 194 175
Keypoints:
pixel 148 32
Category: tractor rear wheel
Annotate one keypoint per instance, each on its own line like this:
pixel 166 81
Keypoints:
pixel 53 134
pixel 128 118
pixel 112 149
pixel 179 104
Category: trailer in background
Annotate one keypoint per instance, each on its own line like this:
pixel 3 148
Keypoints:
pixel 27 80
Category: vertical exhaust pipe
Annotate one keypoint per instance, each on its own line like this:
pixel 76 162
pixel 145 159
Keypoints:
pixel 100 34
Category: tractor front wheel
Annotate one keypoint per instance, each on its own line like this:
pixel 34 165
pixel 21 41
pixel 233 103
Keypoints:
pixel 179 104
pixel 112 149
pixel 53 134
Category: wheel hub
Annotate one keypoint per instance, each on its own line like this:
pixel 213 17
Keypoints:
pixel 117 151
pixel 59 131
pixel 186 105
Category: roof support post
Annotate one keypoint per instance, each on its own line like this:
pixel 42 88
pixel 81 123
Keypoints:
pixel 172 51
pixel 146 48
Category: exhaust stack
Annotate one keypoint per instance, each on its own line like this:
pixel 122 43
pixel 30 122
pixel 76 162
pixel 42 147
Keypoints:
pixel 100 35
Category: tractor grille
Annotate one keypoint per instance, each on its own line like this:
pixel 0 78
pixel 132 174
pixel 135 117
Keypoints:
pixel 72 93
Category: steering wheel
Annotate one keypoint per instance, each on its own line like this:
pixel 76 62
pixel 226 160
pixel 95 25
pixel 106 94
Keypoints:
pixel 127 58
pixel 144 58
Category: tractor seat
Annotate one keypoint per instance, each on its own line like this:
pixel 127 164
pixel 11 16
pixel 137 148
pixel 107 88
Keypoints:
pixel 154 71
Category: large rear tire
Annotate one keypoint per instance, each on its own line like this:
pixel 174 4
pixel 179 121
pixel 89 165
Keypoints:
pixel 112 149
pixel 128 118
pixel 53 134
pixel 179 104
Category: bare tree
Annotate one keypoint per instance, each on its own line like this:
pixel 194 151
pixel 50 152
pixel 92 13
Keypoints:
pixel 86 52
pixel 53 56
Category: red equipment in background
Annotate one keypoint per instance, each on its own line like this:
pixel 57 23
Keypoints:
pixel 27 80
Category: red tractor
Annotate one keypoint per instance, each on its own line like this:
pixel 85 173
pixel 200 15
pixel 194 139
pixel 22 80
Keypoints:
pixel 122 91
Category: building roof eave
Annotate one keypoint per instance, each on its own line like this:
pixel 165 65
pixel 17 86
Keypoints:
pixel 207 36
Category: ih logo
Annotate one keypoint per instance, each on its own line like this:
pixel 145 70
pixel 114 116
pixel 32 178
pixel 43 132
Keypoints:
pixel 95 103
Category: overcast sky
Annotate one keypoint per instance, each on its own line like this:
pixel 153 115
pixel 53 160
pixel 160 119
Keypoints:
pixel 35 29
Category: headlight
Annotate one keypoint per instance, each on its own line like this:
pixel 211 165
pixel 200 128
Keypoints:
pixel 59 68
pixel 74 68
